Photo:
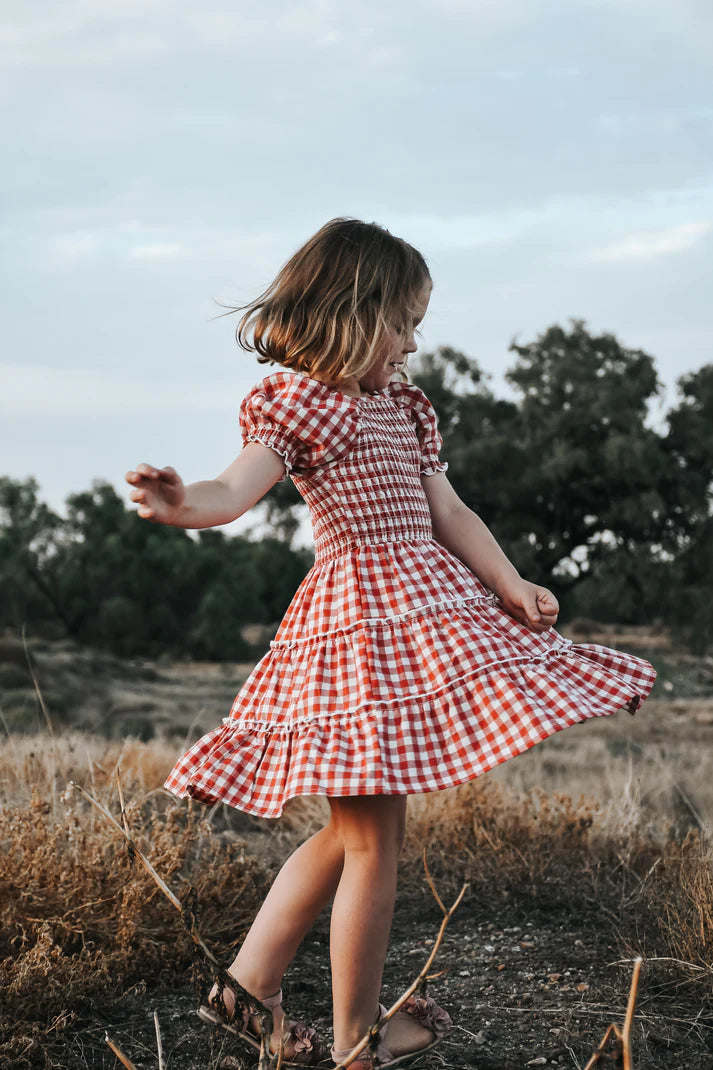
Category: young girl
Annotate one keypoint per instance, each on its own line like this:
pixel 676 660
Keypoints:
pixel 413 656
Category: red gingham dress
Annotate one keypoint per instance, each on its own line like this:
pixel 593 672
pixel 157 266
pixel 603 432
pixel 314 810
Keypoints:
pixel 394 670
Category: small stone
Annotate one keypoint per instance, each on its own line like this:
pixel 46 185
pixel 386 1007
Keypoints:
pixel 540 1060
pixel 525 944
pixel 554 977
pixel 501 967
pixel 583 987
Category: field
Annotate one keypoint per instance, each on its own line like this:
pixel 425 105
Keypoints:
pixel 581 854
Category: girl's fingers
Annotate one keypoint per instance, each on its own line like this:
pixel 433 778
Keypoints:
pixel 547 603
pixel 532 611
pixel 144 512
pixel 147 470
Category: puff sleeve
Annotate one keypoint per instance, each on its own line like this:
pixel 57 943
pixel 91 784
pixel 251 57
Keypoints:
pixel 423 416
pixel 297 418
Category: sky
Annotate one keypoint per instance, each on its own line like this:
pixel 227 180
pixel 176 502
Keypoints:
pixel 550 158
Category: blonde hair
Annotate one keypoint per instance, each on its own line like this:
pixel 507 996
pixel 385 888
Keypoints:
pixel 327 311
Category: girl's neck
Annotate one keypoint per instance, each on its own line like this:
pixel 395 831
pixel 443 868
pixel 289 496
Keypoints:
pixel 349 387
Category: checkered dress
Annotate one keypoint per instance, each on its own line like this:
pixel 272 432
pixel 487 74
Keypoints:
pixel 394 670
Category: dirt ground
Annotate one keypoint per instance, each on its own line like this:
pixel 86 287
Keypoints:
pixel 522 991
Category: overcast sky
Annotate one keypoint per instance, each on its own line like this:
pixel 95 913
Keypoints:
pixel 550 158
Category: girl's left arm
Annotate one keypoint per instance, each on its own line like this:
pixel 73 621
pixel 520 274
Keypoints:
pixel 464 534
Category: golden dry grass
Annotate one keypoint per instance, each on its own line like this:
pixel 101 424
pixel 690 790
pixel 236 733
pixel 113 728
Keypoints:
pixel 79 924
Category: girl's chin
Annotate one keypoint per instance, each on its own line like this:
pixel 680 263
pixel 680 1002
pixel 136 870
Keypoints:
pixel 377 382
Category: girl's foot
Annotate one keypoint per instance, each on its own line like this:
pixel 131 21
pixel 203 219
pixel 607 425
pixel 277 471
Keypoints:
pixel 301 1045
pixel 416 1027
pixel 419 1024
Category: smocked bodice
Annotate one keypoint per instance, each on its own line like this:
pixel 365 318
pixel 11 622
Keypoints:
pixel 357 462
pixel 374 495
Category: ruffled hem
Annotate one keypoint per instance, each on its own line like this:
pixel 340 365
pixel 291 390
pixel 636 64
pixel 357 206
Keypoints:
pixel 426 743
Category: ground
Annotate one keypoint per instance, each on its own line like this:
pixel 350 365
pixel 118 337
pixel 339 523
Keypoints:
pixel 522 991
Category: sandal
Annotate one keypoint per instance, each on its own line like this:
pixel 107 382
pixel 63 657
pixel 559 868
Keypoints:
pixel 300 1044
pixel 425 1011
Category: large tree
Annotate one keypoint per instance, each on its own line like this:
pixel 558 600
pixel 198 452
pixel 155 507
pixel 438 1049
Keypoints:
pixel 569 475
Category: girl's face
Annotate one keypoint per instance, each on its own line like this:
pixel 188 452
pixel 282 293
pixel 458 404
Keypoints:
pixel 400 342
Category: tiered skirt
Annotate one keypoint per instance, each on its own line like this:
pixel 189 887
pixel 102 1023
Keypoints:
pixel 395 671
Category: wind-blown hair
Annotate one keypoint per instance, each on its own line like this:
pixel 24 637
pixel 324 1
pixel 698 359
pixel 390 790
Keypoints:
pixel 328 310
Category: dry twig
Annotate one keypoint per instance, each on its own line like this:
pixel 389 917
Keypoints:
pixel 159 1042
pixel 123 1059
pixel 622 1051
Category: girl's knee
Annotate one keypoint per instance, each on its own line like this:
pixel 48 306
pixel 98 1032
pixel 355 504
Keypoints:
pixel 373 823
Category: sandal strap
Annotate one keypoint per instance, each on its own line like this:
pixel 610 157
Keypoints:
pixel 382 1054
pixel 272 1001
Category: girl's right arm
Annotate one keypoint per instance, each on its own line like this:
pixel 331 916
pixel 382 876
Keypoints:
pixel 163 498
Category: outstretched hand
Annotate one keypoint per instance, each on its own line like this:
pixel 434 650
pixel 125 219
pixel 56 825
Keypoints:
pixel 159 492
pixel 531 605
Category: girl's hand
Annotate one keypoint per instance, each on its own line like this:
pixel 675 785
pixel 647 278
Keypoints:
pixel 531 605
pixel 159 491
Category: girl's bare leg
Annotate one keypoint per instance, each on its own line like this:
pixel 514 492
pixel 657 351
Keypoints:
pixel 371 829
pixel 302 888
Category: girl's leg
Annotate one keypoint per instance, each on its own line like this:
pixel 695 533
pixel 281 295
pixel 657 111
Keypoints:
pixel 371 829
pixel 302 888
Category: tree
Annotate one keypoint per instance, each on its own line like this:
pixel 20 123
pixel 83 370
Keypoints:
pixel 29 533
pixel 569 476
pixel 690 443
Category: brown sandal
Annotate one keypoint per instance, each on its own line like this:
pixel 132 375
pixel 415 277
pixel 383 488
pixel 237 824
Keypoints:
pixel 300 1044
pixel 425 1011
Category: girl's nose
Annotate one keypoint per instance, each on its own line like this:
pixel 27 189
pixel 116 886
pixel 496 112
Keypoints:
pixel 410 346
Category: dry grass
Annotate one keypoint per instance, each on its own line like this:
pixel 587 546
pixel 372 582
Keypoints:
pixel 542 849
pixel 79 924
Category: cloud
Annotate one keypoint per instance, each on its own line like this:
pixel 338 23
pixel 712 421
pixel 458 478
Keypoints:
pixel 644 245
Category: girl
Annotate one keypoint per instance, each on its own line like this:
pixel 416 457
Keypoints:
pixel 413 656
